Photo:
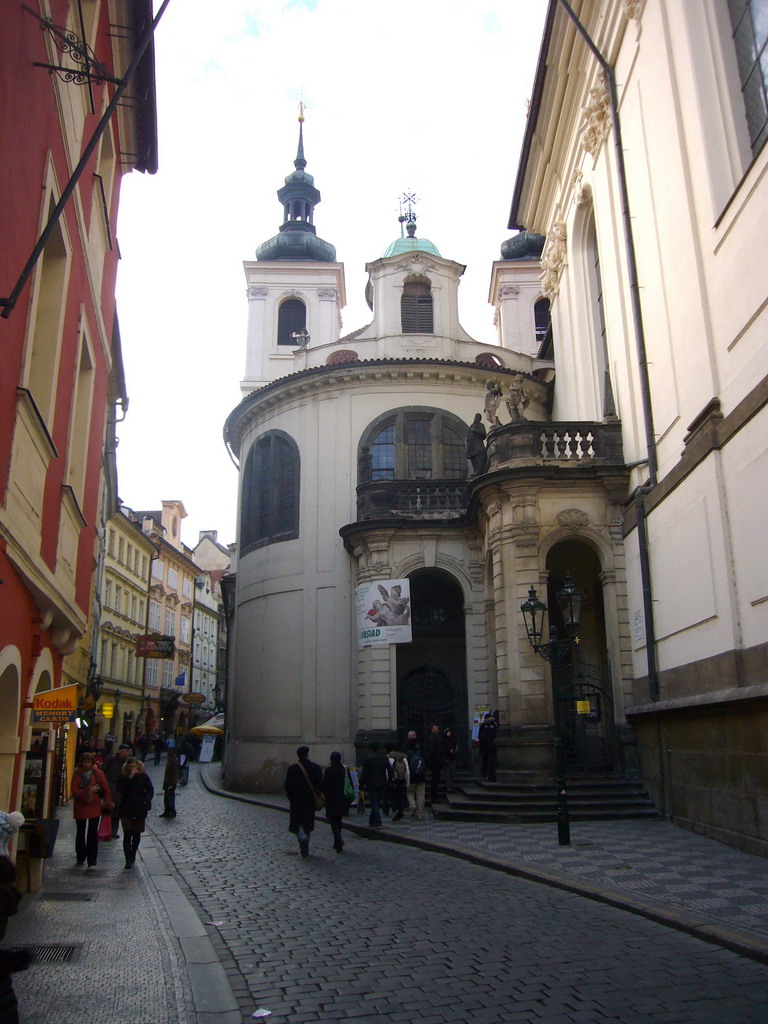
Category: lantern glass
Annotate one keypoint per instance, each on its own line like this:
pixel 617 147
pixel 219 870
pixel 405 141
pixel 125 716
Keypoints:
pixel 570 599
pixel 533 617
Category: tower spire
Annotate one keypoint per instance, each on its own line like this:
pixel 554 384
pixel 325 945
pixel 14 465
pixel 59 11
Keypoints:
pixel 300 163
pixel 297 238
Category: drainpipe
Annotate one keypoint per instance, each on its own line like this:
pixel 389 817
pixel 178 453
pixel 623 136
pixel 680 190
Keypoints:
pixel 642 360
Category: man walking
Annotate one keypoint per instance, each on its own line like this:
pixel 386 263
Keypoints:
pixel 303 781
pixel 113 770
pixel 374 779
pixel 417 768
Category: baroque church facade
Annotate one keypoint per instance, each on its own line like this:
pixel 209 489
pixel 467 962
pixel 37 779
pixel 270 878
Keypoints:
pixel 624 460
pixel 355 469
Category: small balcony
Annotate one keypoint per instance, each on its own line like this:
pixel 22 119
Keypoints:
pixel 412 499
pixel 571 444
pixel 538 447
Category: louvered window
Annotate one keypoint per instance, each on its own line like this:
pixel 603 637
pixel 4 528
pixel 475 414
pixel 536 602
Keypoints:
pixel 270 497
pixel 416 308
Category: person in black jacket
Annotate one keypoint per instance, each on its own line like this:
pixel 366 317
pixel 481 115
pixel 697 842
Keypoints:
pixel 302 781
pixel 336 804
pixel 486 736
pixel 136 791
pixel 374 779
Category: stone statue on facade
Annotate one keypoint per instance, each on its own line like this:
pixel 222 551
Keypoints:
pixel 492 400
pixel 517 398
pixel 476 444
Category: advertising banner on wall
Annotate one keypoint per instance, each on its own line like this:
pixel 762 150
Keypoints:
pixel 55 706
pixel 383 612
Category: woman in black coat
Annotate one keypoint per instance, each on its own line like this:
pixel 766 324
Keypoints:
pixel 336 804
pixel 136 791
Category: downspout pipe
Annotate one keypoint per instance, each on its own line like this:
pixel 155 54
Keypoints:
pixel 642 358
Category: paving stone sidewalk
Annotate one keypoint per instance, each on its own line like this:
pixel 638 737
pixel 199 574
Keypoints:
pixel 140 954
pixel 651 867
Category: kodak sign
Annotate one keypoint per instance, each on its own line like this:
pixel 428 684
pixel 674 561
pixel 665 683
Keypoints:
pixel 55 706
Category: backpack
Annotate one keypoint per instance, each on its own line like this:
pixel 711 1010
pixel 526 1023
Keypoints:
pixel 418 766
pixel 398 769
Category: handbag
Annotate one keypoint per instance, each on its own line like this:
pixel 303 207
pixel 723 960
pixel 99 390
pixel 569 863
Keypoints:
pixel 319 797
pixel 105 828
pixel 349 789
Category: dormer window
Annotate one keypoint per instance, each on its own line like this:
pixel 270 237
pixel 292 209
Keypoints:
pixel 291 319
pixel 416 308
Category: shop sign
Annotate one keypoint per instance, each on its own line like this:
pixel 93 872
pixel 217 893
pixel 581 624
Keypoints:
pixel 155 646
pixel 55 706
pixel 193 698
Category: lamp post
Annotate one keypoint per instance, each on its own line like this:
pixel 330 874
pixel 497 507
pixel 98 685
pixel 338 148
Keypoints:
pixel 555 650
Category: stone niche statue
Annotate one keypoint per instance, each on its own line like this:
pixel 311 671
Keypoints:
pixel 476 444
pixel 517 398
pixel 493 394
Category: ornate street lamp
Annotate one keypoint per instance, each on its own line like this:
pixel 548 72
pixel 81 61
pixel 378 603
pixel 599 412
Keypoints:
pixel 569 598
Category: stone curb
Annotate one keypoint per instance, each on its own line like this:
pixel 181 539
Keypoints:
pixel 746 944
pixel 211 991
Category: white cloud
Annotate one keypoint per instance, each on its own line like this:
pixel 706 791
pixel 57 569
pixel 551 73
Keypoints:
pixel 425 95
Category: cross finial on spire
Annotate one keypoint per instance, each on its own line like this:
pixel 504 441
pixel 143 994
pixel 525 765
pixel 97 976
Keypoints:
pixel 407 215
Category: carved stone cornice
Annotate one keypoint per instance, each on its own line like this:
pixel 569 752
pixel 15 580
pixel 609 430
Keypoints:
pixel 255 292
pixel 553 259
pixel 596 121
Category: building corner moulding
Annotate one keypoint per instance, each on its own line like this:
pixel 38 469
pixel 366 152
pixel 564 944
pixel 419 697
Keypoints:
pixel 633 9
pixel 553 259
pixel 255 292
pixel 596 122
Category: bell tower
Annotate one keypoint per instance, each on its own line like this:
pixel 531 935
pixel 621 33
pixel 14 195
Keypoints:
pixel 295 287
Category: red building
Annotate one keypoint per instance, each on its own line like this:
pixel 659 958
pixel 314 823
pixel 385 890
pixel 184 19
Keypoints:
pixel 77 95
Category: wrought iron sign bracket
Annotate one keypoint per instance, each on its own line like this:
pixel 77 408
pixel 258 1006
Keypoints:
pixel 88 69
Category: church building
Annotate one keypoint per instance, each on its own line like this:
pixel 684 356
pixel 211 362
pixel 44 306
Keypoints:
pixel 406 454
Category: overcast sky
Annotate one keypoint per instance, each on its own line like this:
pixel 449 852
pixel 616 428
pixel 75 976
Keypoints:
pixel 425 95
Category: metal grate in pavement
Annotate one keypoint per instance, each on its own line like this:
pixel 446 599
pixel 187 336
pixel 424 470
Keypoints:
pixel 49 954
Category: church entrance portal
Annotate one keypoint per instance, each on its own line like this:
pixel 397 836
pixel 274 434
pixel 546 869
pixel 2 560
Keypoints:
pixel 581 683
pixel 431 670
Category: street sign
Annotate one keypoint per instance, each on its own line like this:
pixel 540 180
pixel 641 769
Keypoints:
pixel 155 646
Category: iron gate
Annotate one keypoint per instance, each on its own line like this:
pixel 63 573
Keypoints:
pixel 584 708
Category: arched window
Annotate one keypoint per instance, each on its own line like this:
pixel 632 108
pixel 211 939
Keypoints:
pixel 541 319
pixel 598 315
pixel 269 510
pixel 416 444
pixel 291 318
pixel 416 308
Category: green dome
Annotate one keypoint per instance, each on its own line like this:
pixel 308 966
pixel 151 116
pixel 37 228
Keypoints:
pixel 401 245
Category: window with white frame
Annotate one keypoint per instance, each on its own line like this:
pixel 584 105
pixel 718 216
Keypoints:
pixel 157 569
pixel 173 578
pixel 170 622
pixel 186 586
pixel 167 673
pixel 154 616
pixel 186 629
pixel 151 672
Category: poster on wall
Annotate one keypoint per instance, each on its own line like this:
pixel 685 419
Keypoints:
pixel 383 613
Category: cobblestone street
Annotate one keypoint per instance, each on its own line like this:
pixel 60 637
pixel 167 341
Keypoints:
pixel 391 933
